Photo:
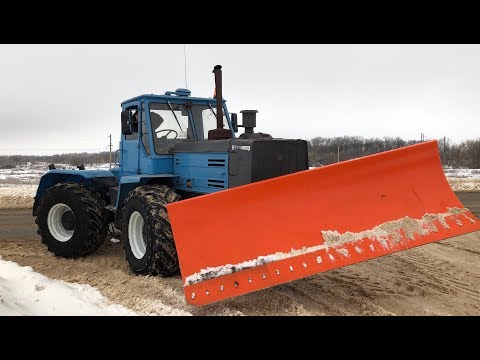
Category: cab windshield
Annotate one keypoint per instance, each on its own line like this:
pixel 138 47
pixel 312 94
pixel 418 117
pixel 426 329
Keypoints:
pixel 205 119
pixel 170 123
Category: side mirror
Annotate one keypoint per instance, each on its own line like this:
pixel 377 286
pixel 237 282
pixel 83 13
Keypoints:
pixel 128 126
pixel 233 118
pixel 126 123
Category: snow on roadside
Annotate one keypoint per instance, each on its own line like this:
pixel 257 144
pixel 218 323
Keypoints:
pixel 464 184
pixel 25 292
pixel 18 190
pixel 31 173
pixel 14 196
pixel 461 172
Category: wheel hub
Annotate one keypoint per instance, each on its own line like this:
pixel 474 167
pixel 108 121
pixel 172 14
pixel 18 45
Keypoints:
pixel 68 220
pixel 136 235
pixel 61 222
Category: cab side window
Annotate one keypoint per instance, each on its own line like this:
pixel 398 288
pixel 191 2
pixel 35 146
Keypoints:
pixel 134 116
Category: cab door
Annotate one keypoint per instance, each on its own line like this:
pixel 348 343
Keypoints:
pixel 129 145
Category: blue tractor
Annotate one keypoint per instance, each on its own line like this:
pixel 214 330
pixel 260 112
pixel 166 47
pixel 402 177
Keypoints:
pixel 173 147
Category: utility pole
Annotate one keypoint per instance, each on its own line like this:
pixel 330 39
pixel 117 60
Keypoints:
pixel 110 152
pixel 338 150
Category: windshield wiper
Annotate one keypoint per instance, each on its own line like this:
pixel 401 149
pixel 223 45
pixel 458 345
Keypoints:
pixel 173 112
pixel 210 106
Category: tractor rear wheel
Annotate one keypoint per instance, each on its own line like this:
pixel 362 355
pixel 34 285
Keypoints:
pixel 70 220
pixel 146 232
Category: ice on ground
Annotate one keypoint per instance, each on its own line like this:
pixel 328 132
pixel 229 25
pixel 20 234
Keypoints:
pixel 25 292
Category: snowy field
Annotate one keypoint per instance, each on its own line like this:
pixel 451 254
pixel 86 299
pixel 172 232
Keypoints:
pixel 19 184
pixel 30 173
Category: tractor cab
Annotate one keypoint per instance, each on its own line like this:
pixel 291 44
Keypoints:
pixel 189 144
pixel 152 125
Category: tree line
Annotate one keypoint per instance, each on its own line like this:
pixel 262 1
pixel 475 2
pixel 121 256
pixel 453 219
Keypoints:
pixel 73 159
pixel 321 151
pixel 324 151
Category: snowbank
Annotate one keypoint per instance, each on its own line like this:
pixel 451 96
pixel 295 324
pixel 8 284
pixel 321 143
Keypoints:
pixel 25 292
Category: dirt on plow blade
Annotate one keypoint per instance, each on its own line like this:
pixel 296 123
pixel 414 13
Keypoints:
pixel 278 230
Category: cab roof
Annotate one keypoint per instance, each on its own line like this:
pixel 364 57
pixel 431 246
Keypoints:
pixel 169 95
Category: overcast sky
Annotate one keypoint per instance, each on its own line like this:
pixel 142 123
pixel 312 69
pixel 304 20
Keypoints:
pixel 66 98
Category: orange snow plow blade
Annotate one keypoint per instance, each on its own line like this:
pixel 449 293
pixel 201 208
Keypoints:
pixel 259 235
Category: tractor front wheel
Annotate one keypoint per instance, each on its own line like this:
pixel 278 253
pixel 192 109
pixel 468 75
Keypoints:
pixel 70 220
pixel 146 232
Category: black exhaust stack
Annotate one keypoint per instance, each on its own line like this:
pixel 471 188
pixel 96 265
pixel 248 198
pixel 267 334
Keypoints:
pixel 219 133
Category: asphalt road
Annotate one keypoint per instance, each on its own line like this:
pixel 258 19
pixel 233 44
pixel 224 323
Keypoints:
pixel 20 224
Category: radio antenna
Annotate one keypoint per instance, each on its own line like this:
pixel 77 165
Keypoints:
pixel 185 58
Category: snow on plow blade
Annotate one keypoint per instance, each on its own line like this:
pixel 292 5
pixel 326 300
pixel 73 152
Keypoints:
pixel 278 230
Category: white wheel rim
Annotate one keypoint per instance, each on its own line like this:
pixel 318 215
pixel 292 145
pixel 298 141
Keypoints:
pixel 55 225
pixel 135 235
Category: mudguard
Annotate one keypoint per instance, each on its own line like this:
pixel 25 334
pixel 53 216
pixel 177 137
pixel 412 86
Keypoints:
pixel 103 178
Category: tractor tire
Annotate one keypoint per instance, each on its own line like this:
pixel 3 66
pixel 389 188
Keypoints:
pixel 147 236
pixel 71 220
